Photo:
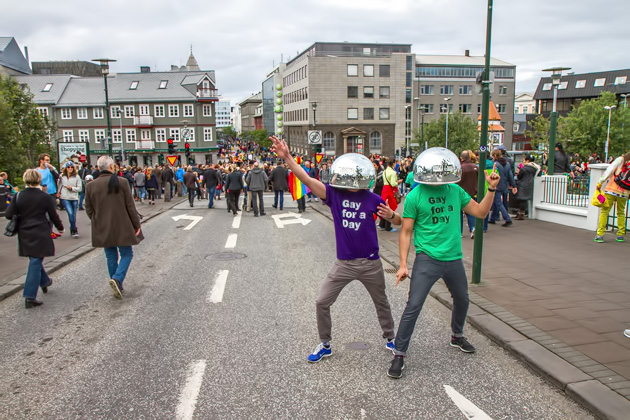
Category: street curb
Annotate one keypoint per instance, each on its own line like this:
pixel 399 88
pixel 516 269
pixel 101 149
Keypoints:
pixel 586 384
pixel 17 284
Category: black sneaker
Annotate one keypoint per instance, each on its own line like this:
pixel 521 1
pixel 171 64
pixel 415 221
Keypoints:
pixel 462 344
pixel 395 370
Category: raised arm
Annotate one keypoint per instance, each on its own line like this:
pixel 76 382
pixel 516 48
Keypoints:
pixel 481 210
pixel 281 148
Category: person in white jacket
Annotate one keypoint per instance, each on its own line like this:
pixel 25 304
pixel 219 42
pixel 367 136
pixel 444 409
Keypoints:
pixel 69 187
pixel 614 194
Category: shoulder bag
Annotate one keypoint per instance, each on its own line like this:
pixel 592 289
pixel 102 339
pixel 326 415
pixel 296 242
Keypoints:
pixel 395 190
pixel 12 227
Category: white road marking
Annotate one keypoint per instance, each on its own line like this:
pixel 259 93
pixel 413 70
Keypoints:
pixel 470 410
pixel 231 240
pixel 363 414
pixel 216 294
pixel 237 221
pixel 190 393
pixel 281 221
pixel 195 220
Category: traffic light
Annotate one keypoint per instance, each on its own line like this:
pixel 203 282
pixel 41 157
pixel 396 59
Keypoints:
pixel 171 146
pixel 187 146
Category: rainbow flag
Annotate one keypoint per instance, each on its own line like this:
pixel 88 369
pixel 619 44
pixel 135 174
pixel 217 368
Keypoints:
pixel 297 189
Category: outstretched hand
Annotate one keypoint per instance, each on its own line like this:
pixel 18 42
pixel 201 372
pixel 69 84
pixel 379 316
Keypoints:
pixel 494 178
pixel 280 147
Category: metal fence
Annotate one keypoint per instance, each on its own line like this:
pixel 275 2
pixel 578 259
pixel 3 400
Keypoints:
pixel 612 217
pixel 566 191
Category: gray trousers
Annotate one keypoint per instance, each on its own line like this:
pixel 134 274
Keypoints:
pixel 368 272
pixel 167 192
pixel 426 271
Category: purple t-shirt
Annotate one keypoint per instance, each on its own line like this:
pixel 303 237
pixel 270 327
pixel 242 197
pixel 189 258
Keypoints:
pixel 355 231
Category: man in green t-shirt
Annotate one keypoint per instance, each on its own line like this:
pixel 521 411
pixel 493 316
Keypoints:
pixel 432 213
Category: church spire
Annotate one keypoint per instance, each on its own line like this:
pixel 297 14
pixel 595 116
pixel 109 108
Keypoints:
pixel 191 64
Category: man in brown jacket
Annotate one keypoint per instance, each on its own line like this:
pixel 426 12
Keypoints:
pixel 115 221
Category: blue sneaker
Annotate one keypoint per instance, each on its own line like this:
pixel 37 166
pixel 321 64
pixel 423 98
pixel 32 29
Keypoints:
pixel 390 345
pixel 319 353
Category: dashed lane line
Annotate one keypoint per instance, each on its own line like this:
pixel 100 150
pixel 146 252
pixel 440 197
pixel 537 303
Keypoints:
pixel 231 240
pixel 470 410
pixel 237 221
pixel 216 294
pixel 190 393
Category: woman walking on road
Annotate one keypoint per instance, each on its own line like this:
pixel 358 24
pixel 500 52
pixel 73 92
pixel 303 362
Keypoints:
pixel 70 185
pixel 151 185
pixel 34 209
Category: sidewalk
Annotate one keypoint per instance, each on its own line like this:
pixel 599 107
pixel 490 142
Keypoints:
pixel 556 300
pixel 67 249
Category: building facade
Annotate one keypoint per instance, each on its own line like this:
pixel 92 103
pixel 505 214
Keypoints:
pixel 223 113
pixel 12 61
pixel 145 110
pixel 248 112
pixel 524 103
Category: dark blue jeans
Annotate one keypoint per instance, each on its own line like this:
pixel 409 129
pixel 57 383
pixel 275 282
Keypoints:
pixel 36 277
pixel 211 192
pixel 71 208
pixel 278 198
pixel 426 271
pixel 470 219
pixel 118 268
pixel 499 208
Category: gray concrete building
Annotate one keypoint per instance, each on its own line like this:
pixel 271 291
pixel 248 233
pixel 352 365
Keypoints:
pixel 249 112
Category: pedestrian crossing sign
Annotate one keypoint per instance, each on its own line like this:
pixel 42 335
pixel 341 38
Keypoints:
pixel 171 159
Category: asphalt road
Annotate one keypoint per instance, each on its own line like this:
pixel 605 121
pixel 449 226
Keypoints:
pixel 206 331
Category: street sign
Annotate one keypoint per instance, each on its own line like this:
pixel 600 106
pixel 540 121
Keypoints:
pixel 186 133
pixel 82 158
pixel 360 147
pixel 289 219
pixel 195 220
pixel 171 159
pixel 318 157
pixel 314 137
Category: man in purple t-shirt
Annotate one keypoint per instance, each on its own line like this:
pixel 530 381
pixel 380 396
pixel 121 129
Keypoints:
pixel 353 208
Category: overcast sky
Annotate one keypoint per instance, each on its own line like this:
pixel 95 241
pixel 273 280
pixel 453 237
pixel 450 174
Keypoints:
pixel 242 39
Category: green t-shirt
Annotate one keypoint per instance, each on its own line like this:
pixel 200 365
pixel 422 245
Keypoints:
pixel 436 210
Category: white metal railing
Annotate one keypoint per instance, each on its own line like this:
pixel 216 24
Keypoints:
pixel 143 120
pixel 207 93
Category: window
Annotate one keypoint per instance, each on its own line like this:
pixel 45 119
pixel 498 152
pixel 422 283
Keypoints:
pixel 353 91
pixel 117 135
pixel 82 113
pixel 426 89
pixel 465 108
pixel 84 135
pixel 465 90
pixel 444 107
pixel 130 134
pixel 160 135
pixel 66 113
pixel 189 110
pixel 478 108
pixel 375 142
pixel 145 134
pixel 207 110
pixel 600 82
pixel 547 86
pixel 114 111
pixel 329 141
pixel 174 134
pixel 353 70
pixel 383 92
pixel 368 113
pixel 47 87
pixel 408 80
pixel 446 89
pixel 525 109
pixel 383 114
pixel 173 110
pixel 621 80
pixel 409 62
pixel 501 108
pixel 68 135
pixel 353 113
pixel 426 108
pixel 207 134
pixel 97 113
pixel 134 85
pixel 368 91
pixel 43 111
pixel 563 85
pixel 191 135
pixel 129 111
pixel 143 109
pixel 99 135
pixel 158 111
pixel 163 84
pixel 408 96
pixel 580 84
pixel 368 70
pixel 502 90
pixel 383 70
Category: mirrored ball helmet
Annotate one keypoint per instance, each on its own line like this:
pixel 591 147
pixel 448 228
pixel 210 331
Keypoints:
pixel 437 166
pixel 352 171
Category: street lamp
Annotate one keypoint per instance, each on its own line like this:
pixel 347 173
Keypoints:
pixel 556 74
pixel 624 96
pixel 314 107
pixel 105 70
pixel 447 99
pixel 420 120
pixel 609 108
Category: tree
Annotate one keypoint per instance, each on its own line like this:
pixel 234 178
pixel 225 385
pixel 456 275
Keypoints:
pixel 23 131
pixel 260 137
pixel 539 133
pixel 462 133
pixel 228 133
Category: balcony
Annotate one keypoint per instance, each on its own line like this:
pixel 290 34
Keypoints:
pixel 143 121
pixel 207 94
pixel 145 144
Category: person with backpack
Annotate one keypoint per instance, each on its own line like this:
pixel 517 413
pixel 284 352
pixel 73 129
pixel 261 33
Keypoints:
pixel 616 192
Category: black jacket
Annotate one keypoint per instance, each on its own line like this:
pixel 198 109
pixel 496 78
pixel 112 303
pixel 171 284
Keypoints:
pixel 211 178
pixel 167 176
pixel 234 181
pixel 279 178
pixel 34 209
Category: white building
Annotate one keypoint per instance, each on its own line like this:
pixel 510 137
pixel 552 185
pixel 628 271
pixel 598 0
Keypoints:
pixel 524 103
pixel 223 110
